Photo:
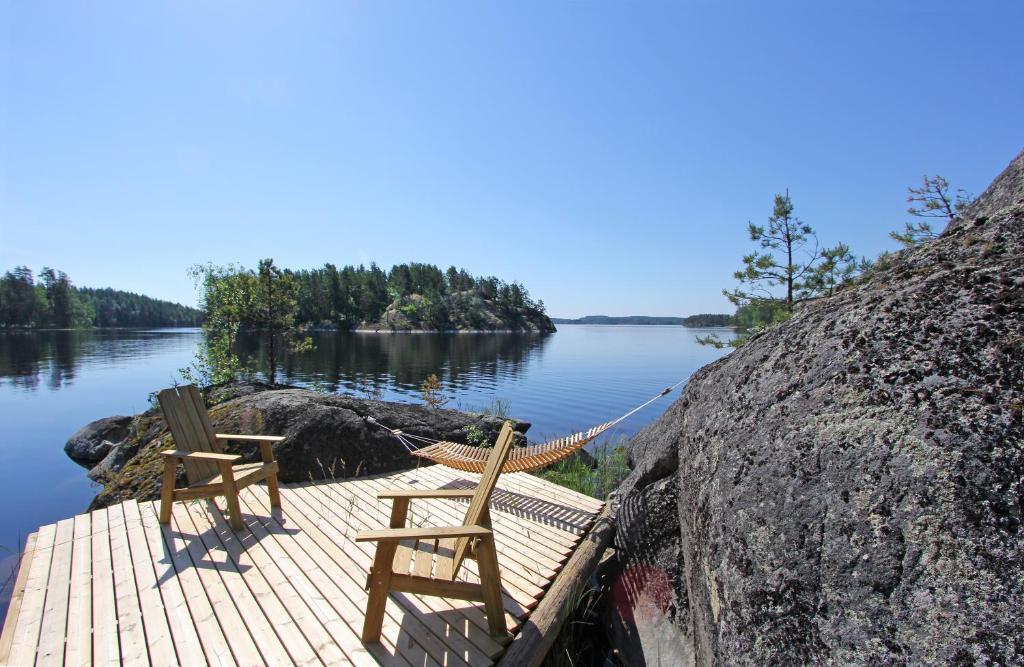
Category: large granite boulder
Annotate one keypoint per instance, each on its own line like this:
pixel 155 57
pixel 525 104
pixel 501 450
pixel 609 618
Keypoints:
pixel 847 487
pixel 327 436
pixel 91 443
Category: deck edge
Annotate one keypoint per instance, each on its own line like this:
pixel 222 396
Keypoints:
pixel 17 593
pixel 540 629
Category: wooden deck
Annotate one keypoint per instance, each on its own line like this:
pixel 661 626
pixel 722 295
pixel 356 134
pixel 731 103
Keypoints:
pixel 115 586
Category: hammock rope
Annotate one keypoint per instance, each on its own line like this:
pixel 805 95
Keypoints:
pixel 471 458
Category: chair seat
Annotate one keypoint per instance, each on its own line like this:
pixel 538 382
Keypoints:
pixel 426 558
pixel 245 474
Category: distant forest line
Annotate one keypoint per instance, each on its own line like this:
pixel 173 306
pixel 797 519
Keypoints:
pixel 694 321
pixel 53 301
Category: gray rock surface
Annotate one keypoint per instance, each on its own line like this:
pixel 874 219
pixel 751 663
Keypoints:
pixel 326 436
pixel 847 487
pixel 91 443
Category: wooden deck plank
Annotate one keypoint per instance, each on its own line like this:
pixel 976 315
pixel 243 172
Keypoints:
pixel 181 535
pixel 527 523
pixel 427 629
pixel 175 571
pixel 543 506
pixel 78 650
pixel 170 634
pixel 26 638
pixel 58 588
pixel 536 544
pixel 458 617
pixel 371 516
pixel 131 629
pixel 532 567
pixel 304 636
pixel 154 613
pixel 117 587
pixel 399 631
pixel 318 592
pixel 257 625
pixel 436 512
pixel 106 645
pixel 427 480
pixel 536 485
pixel 17 595
pixel 521 578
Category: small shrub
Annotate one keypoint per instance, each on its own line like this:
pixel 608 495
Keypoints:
pixel 475 436
pixel 431 392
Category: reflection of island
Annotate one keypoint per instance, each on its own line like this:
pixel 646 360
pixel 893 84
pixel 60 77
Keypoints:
pixel 347 361
pixel 342 361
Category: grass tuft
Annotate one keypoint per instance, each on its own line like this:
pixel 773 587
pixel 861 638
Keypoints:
pixel 597 481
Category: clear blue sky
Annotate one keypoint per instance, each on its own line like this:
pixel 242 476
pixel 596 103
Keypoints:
pixel 608 155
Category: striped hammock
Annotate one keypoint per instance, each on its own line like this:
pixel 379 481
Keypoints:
pixel 532 457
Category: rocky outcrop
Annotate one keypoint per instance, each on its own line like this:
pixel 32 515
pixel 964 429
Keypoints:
pixel 91 443
pixel 460 311
pixel 327 436
pixel 847 487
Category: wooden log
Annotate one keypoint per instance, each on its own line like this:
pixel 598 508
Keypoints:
pixel 540 631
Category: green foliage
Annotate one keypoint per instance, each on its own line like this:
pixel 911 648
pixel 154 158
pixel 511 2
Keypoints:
pixel 235 298
pixel 784 239
pixel 475 436
pixel 597 481
pixel 932 200
pixel 432 392
pixel 914 233
pixel 54 302
pixel 351 296
pixel 837 268
pixel 709 320
pixel 786 263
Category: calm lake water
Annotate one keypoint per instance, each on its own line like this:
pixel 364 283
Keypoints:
pixel 54 382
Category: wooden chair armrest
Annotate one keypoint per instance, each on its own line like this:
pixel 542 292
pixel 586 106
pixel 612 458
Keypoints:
pixel 427 493
pixel 250 438
pixel 399 534
pixel 266 443
pixel 206 456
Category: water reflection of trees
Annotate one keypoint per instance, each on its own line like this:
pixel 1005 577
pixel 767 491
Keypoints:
pixel 343 360
pixel 30 359
pixel 26 358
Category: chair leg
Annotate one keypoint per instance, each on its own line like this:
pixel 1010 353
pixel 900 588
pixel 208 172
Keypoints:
pixel 167 490
pixel 231 495
pixel 379 586
pixel 267 455
pixel 490 580
pixel 274 490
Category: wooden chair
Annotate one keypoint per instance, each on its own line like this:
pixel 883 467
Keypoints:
pixel 473 539
pixel 210 472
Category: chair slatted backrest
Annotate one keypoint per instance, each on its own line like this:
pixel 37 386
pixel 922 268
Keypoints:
pixel 478 507
pixel 185 413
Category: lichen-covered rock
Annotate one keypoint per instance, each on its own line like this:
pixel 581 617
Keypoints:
pixel 327 436
pixel 847 487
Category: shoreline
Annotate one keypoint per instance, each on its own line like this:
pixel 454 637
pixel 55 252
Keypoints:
pixel 441 331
